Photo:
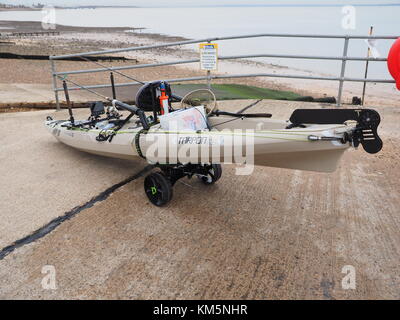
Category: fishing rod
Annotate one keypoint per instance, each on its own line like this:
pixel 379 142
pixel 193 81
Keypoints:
pixel 175 97
pixel 84 88
pixel 133 109
pixel 112 70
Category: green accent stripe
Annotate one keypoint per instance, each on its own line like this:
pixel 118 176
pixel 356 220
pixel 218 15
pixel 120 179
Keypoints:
pixel 301 136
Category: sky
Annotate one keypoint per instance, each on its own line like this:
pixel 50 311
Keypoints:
pixel 151 3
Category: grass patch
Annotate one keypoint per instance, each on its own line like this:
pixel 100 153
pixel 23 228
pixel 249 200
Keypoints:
pixel 237 91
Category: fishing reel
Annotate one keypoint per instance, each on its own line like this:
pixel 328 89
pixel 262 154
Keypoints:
pixel 112 112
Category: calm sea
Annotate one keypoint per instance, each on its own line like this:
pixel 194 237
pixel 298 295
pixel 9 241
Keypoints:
pixel 222 21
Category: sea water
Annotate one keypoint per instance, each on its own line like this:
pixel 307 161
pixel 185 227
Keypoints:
pixel 203 22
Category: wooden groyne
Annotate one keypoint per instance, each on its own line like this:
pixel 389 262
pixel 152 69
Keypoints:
pixel 8 55
pixel 10 35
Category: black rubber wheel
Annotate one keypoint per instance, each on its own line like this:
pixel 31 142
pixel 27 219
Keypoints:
pixel 158 189
pixel 214 173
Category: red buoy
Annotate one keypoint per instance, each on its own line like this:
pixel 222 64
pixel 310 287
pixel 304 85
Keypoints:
pixel 393 62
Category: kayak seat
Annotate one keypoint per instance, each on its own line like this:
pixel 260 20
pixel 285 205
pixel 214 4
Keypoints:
pixel 147 96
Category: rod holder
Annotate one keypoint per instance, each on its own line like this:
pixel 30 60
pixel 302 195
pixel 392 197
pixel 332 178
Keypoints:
pixel 114 94
pixel 71 116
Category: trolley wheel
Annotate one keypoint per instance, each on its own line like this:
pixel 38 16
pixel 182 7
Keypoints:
pixel 158 188
pixel 214 173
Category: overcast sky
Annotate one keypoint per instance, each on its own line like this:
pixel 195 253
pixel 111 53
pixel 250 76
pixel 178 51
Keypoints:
pixel 146 3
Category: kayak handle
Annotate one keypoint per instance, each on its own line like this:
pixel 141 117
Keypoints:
pixel 176 98
pixel 242 115
pixel 135 110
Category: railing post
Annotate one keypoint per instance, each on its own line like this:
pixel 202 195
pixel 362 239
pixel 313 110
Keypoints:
pixel 209 76
pixel 53 71
pixel 208 80
pixel 343 70
pixel 371 29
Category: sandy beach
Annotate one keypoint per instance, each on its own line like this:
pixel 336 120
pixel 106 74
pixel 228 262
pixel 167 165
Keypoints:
pixel 79 39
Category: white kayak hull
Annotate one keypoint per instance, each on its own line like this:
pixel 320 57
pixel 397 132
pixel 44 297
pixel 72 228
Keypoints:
pixel 263 142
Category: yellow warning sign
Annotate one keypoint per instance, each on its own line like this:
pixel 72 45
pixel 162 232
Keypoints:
pixel 208 56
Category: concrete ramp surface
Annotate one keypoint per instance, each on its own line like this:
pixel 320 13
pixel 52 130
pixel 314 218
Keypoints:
pixel 275 234
pixel 42 179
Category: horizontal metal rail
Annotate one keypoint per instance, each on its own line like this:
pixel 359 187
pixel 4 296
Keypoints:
pixel 272 75
pixel 179 43
pixel 341 78
pixel 246 56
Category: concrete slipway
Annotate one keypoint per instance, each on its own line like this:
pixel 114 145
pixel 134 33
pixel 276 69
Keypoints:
pixel 274 234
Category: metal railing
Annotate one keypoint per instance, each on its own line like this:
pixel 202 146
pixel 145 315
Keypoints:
pixel 341 78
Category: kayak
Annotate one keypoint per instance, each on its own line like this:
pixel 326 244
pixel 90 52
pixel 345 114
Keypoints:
pixel 262 142
pixel 195 140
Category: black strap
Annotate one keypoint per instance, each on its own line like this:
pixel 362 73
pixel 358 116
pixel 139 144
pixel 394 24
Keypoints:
pixel 104 135
pixel 137 143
